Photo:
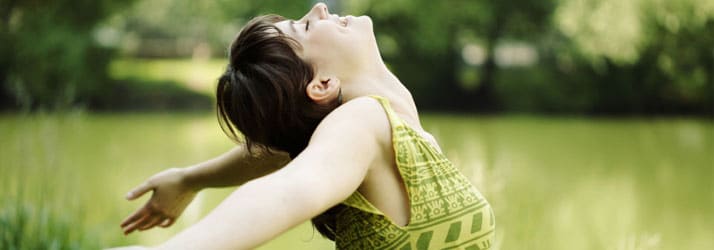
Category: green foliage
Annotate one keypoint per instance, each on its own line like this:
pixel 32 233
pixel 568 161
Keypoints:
pixel 50 59
pixel 23 226
pixel 593 56
pixel 173 28
pixel 431 34
pixel 639 56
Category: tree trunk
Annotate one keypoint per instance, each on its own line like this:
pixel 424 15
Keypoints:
pixel 484 98
pixel 454 97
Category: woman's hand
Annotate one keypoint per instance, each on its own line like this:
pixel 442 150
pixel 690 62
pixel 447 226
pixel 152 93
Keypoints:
pixel 171 196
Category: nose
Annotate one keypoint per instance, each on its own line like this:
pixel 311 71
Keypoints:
pixel 318 11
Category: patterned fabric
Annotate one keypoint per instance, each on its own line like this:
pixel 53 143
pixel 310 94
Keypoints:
pixel 447 212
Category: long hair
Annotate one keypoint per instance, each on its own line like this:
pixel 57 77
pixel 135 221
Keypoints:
pixel 262 95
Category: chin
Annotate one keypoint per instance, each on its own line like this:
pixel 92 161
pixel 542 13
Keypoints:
pixel 363 38
pixel 365 25
pixel 360 22
pixel 368 21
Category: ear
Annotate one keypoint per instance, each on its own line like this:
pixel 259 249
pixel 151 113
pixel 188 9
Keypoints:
pixel 323 90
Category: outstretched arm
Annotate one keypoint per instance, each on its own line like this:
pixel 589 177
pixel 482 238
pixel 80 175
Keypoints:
pixel 234 168
pixel 330 169
pixel 173 189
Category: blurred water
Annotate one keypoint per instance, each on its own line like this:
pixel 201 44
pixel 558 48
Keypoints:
pixel 554 183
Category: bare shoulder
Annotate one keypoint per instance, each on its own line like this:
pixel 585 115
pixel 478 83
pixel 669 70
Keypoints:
pixel 364 112
pixel 362 116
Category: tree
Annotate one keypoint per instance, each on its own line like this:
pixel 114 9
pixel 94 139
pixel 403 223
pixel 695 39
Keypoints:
pixel 50 58
pixel 644 56
pixel 431 35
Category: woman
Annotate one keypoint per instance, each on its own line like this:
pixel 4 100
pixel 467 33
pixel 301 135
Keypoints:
pixel 314 93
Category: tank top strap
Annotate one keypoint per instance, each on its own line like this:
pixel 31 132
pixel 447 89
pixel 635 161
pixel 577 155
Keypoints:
pixel 393 117
pixel 357 200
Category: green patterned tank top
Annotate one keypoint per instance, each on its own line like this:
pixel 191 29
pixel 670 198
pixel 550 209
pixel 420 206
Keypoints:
pixel 447 212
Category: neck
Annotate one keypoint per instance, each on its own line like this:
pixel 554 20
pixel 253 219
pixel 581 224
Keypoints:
pixel 377 81
pixel 383 83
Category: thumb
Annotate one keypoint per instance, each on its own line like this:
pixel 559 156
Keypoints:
pixel 138 191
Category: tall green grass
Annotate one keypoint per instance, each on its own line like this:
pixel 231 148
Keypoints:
pixel 27 226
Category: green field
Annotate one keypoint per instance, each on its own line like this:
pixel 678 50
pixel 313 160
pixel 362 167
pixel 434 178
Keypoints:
pixel 554 183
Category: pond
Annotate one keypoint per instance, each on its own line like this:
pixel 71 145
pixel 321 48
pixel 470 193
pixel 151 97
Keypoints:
pixel 554 182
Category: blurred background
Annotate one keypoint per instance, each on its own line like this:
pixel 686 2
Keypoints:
pixel 588 124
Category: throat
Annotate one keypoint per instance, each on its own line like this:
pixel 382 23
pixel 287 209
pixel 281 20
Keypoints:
pixel 383 84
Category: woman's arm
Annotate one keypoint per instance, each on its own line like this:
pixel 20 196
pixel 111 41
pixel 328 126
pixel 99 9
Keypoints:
pixel 330 169
pixel 234 167
pixel 173 189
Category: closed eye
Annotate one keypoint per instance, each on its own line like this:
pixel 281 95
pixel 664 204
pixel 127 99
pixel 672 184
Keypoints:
pixel 307 25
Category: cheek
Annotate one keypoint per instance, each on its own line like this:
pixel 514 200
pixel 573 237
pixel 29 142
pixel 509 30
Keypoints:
pixel 328 42
pixel 329 45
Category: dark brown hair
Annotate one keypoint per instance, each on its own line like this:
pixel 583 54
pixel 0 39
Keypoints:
pixel 262 94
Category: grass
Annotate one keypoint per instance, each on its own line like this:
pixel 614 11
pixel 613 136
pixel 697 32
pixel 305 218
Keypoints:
pixel 554 183
pixel 25 226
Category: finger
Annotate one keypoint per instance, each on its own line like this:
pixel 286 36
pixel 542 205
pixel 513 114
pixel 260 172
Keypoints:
pixel 133 217
pixel 151 223
pixel 167 222
pixel 139 191
pixel 153 217
pixel 154 223
pixel 131 227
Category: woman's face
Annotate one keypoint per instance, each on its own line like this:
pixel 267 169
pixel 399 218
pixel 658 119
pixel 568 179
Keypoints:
pixel 333 44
